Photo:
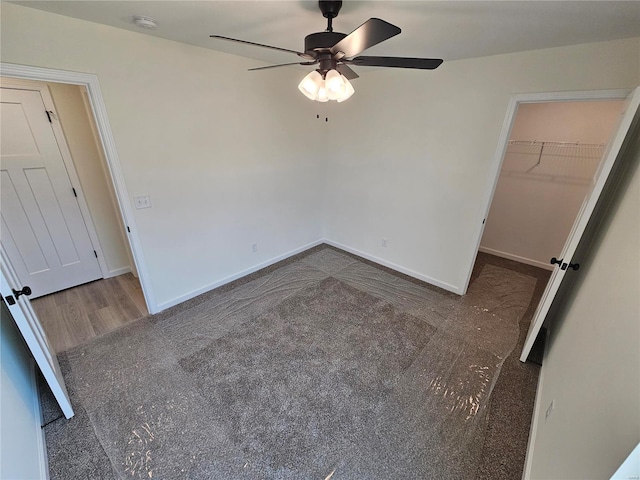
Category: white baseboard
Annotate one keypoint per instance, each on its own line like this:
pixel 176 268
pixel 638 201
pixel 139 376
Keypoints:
pixel 118 271
pixel 538 412
pixel 397 268
pixel 235 276
pixel 516 258
pixel 255 268
pixel 42 460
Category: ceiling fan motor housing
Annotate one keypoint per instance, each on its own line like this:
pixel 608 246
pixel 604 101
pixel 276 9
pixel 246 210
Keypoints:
pixel 322 41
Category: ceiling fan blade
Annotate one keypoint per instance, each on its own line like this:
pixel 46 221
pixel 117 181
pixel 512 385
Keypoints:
pixel 398 62
pixel 282 65
pixel 306 56
pixel 370 33
pixel 347 72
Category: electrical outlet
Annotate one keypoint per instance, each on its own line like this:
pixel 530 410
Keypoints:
pixel 142 201
pixel 254 248
pixel 384 242
pixel 549 410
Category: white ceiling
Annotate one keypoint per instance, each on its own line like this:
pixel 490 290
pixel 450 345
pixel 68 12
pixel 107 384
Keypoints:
pixel 442 29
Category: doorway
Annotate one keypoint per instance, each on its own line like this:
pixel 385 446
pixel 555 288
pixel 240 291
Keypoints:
pixel 618 138
pixel 60 219
pixel 551 159
pixel 98 111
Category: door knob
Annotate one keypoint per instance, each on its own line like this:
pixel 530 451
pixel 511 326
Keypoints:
pixel 26 290
pixel 554 260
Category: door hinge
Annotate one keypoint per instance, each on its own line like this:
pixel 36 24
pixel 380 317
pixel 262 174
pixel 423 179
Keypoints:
pixel 49 114
pixel 74 192
pixel 95 253
pixel 128 229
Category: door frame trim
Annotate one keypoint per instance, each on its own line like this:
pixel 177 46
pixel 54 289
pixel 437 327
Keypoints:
pixel 99 110
pixel 512 109
pixel 67 159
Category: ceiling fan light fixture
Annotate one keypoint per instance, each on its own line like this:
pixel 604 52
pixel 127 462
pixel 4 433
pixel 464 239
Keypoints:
pixel 311 84
pixel 334 86
pixel 335 51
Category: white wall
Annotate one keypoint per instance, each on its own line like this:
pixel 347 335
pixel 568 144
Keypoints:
pixel 415 163
pixel 582 122
pixel 91 168
pixel 534 208
pixel 21 438
pixel 592 367
pixel 228 157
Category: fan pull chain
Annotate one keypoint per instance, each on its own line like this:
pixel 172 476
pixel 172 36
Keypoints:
pixel 322 111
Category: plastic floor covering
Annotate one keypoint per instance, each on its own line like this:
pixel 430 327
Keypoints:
pixel 322 366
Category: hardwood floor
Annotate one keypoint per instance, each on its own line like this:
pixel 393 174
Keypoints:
pixel 78 314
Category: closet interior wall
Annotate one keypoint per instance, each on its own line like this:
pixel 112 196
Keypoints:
pixel 553 154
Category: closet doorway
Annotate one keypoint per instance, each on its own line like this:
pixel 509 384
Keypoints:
pixel 510 169
pixel 552 157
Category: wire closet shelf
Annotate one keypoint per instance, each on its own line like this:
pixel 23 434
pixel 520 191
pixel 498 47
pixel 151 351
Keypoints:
pixel 557 161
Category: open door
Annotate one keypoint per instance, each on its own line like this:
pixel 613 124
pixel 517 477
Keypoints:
pixel 628 117
pixel 15 297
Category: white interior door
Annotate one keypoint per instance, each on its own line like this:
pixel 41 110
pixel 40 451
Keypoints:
pixel 42 228
pixel 31 330
pixel 628 116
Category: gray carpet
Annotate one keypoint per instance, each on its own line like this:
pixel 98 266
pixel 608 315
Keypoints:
pixel 321 365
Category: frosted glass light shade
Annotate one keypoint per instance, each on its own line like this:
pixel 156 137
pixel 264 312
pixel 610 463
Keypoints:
pixel 310 85
pixel 322 95
pixel 334 83
pixel 349 90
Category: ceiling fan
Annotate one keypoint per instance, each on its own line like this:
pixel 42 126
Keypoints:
pixel 333 52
